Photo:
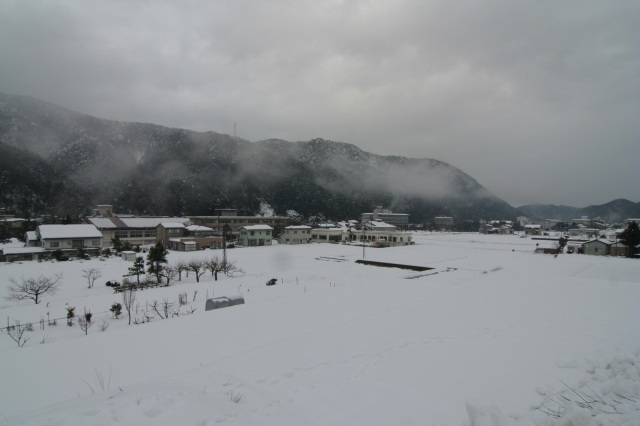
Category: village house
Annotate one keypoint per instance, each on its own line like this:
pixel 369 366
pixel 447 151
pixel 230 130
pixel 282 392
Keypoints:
pixel 181 237
pixel 31 239
pixel 582 230
pixel 295 235
pixel 255 235
pixel 619 249
pixel 19 254
pixel 532 229
pixel 68 238
pixel 12 222
pixel 597 248
pixel 496 227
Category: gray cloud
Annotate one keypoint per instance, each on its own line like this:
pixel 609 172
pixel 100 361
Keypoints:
pixel 537 100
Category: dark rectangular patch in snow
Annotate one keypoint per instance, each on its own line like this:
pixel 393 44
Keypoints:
pixel 393 265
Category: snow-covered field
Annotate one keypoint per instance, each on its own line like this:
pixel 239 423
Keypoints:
pixel 493 335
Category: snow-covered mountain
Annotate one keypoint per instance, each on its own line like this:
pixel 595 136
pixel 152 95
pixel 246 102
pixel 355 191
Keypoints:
pixel 57 160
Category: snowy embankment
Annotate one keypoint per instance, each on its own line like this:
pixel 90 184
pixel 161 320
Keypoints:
pixel 494 335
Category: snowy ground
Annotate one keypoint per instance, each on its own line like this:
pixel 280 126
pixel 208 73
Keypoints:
pixel 494 335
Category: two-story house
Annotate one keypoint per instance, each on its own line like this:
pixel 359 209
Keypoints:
pixel 255 235
pixel 296 235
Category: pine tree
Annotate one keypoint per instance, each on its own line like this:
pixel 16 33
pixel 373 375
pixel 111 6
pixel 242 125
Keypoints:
pixel 117 244
pixel 137 268
pixel 156 257
pixel 630 237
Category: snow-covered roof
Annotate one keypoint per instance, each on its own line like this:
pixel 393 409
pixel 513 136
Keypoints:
pixel 172 225
pixel 533 226
pixel 257 228
pixel 378 224
pixel 194 228
pixel 149 222
pixel 598 240
pixel 32 236
pixel 297 227
pixel 102 222
pixel 68 231
pixel 23 250
pixel 134 222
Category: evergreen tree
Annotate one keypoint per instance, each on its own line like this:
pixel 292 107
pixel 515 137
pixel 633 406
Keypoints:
pixel 630 237
pixel 156 257
pixel 116 242
pixel 137 268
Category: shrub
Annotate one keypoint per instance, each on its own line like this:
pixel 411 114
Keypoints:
pixel 116 310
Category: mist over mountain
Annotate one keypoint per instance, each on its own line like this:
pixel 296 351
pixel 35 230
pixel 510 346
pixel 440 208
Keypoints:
pixel 614 211
pixel 54 160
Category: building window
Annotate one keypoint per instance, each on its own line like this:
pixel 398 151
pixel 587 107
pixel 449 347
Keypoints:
pixel 77 243
pixel 150 234
pixel 95 243
pixel 135 234
pixel 122 234
pixel 54 244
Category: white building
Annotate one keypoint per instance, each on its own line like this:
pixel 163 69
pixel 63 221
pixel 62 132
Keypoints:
pixel 400 220
pixel 255 235
pixel 296 235
pixel 69 237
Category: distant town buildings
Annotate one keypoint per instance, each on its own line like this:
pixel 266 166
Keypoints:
pixel 400 220
pixel 231 219
pixel 443 223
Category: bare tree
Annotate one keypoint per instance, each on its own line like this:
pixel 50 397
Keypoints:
pixel 91 275
pixel 33 288
pixel 166 309
pixel 229 268
pixel 84 321
pixel 128 298
pixel 16 333
pixel 213 265
pixel 197 267
pixel 181 266
pixel 169 273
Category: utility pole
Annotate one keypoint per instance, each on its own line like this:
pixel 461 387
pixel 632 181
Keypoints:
pixel 364 239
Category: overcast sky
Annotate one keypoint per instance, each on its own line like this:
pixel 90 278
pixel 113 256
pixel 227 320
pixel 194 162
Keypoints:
pixel 537 100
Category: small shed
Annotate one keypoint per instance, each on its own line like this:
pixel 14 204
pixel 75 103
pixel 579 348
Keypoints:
pixel 128 255
pixel 597 248
pixel 16 254
pixel 547 249
pixel 223 302
pixel 620 249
